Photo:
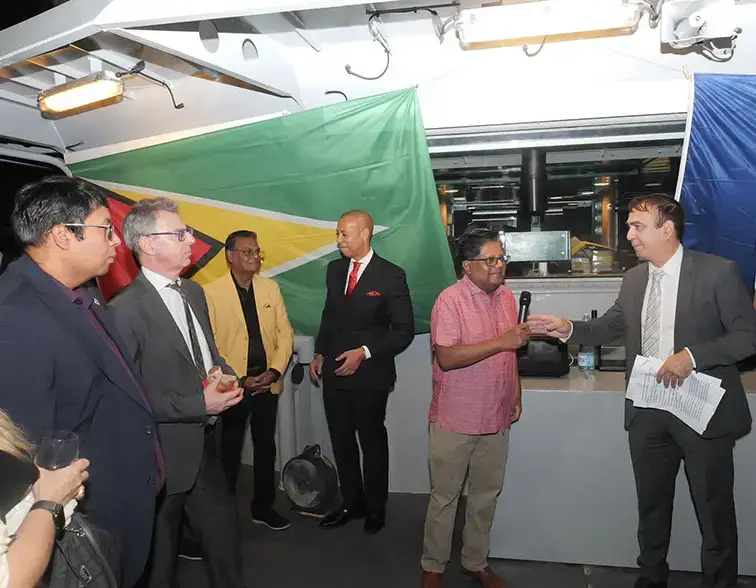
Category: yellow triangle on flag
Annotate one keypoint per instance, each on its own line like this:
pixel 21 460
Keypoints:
pixel 287 241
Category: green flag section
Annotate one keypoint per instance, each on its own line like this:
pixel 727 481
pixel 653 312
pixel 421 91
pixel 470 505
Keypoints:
pixel 289 179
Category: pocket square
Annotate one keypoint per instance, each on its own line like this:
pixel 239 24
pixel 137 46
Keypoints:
pixel 374 293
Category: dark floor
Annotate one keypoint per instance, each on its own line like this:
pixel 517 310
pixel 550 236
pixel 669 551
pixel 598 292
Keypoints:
pixel 310 557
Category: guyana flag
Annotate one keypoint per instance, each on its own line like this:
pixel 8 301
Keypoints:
pixel 289 179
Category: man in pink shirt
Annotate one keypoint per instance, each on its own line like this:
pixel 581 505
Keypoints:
pixel 476 397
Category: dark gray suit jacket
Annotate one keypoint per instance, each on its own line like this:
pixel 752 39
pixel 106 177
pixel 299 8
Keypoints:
pixel 714 319
pixel 164 362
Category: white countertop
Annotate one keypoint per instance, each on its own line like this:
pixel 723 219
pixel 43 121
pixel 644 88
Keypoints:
pixel 602 382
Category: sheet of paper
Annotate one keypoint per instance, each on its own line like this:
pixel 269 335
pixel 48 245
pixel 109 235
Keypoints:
pixel 694 402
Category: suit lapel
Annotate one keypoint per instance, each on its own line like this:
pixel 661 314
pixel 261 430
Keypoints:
pixel 635 311
pixel 197 309
pixel 155 308
pixel 367 275
pixel 122 379
pixel 342 276
pixel 234 302
pixel 684 294
pixel 76 323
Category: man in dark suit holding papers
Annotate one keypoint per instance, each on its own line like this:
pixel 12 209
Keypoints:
pixel 691 311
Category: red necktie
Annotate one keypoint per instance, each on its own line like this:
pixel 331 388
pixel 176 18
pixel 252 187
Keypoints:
pixel 353 278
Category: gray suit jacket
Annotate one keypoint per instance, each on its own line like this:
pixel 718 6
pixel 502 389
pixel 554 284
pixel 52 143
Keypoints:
pixel 715 320
pixel 164 362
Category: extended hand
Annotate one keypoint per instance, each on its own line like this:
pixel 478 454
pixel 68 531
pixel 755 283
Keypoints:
pixel 549 325
pixel 675 369
pixel 352 361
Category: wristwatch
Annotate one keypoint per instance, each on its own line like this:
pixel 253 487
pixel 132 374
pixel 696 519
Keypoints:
pixel 55 509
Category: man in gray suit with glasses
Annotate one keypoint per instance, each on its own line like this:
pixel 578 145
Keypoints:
pixel 165 324
pixel 692 311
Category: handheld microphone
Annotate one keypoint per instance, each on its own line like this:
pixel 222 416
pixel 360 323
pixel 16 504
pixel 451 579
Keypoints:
pixel 524 306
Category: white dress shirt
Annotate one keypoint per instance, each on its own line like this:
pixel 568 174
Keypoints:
pixel 361 270
pixel 670 282
pixel 669 285
pixel 175 305
pixel 363 264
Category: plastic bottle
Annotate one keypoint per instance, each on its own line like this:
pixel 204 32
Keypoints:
pixel 587 356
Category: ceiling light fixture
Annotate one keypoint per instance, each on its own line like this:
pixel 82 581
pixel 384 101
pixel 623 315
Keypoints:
pixel 77 96
pixel 545 21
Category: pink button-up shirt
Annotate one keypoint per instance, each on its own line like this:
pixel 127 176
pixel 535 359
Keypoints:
pixel 478 399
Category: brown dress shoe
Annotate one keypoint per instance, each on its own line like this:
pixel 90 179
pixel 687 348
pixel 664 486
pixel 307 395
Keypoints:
pixel 433 580
pixel 486 578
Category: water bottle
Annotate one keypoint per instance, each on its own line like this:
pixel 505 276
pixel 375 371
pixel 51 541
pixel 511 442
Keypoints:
pixel 587 356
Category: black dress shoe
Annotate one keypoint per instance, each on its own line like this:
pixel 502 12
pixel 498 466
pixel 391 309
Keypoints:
pixel 341 517
pixel 374 522
pixel 648 583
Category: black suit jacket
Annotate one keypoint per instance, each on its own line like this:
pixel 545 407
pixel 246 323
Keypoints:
pixel 165 365
pixel 714 319
pixel 378 315
pixel 59 373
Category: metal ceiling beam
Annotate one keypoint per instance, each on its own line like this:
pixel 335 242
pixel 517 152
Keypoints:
pixel 63 69
pixel 18 99
pixel 54 28
pixel 673 149
pixel 297 24
pixel 271 71
pixel 113 59
pixel 556 134
pixel 142 13
pixel 28 82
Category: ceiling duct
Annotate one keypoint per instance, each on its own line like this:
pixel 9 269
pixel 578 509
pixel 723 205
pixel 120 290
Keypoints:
pixel 533 188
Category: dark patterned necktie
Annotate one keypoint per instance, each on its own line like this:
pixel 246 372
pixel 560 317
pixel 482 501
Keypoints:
pixel 194 341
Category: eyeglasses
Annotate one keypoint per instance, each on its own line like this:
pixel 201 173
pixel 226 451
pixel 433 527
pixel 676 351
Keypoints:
pixel 109 228
pixel 181 234
pixel 249 253
pixel 492 261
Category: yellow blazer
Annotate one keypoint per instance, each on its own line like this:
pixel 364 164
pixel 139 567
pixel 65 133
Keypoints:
pixel 230 330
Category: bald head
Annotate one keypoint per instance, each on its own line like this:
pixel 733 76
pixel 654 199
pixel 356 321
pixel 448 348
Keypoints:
pixel 353 234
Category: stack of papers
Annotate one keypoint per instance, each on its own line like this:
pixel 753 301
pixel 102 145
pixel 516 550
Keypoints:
pixel 694 402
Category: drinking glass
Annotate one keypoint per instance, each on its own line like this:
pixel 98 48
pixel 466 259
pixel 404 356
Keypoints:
pixel 57 449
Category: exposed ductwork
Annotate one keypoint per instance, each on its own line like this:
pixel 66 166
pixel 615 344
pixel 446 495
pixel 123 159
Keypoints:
pixel 532 189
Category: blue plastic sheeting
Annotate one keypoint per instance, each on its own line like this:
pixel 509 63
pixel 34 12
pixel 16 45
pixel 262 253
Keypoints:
pixel 718 188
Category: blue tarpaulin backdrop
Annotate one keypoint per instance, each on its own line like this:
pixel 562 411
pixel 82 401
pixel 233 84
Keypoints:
pixel 718 188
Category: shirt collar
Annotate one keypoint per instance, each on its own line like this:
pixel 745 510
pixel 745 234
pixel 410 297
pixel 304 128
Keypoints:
pixel 158 281
pixel 672 267
pixel 236 283
pixel 79 296
pixel 475 290
pixel 365 260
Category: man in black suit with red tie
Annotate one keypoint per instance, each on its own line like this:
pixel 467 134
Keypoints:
pixel 367 321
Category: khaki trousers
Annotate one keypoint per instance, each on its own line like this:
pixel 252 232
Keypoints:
pixel 482 458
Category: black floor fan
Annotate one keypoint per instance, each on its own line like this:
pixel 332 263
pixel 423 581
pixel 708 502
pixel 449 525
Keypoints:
pixel 310 482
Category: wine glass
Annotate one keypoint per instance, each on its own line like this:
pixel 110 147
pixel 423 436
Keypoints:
pixel 57 449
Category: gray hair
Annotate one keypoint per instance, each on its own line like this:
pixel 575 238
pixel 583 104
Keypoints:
pixel 142 218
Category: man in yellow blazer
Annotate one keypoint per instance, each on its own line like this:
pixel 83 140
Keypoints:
pixel 253 334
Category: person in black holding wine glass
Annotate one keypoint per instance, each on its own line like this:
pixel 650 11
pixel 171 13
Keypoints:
pixel 29 498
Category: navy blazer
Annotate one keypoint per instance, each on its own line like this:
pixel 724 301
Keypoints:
pixel 58 372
